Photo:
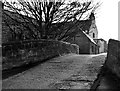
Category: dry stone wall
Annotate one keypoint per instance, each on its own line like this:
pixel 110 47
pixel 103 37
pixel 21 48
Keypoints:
pixel 15 54
pixel 109 76
pixel 113 56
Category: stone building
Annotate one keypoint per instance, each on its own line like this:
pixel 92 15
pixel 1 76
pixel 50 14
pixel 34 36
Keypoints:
pixel 102 45
pixel 87 39
pixel 82 33
pixel 93 32
pixel 86 44
pixel 86 32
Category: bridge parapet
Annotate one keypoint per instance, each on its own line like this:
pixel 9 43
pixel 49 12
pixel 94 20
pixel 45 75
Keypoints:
pixel 17 53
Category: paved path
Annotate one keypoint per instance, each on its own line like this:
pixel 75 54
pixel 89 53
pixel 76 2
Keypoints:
pixel 66 72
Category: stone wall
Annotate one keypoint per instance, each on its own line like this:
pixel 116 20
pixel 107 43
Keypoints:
pixel 113 56
pixel 0 23
pixel 109 75
pixel 15 54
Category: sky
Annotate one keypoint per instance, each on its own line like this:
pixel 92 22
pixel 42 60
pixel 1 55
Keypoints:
pixel 107 19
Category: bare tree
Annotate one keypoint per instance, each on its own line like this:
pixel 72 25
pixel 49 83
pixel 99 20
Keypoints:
pixel 39 17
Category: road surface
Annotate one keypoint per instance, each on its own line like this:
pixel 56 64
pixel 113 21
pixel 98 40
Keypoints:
pixel 66 72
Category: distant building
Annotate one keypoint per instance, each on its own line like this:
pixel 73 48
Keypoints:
pixel 93 32
pixel 87 39
pixel 86 44
pixel 102 45
pixel 82 33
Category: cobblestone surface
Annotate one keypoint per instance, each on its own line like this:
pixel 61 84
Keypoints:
pixel 65 72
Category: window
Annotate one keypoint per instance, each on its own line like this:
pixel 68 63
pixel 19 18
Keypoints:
pixel 93 35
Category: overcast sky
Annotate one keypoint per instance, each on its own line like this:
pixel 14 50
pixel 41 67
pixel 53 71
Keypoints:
pixel 107 19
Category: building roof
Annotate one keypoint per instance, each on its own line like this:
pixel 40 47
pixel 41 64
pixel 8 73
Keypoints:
pixel 82 24
pixel 89 38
